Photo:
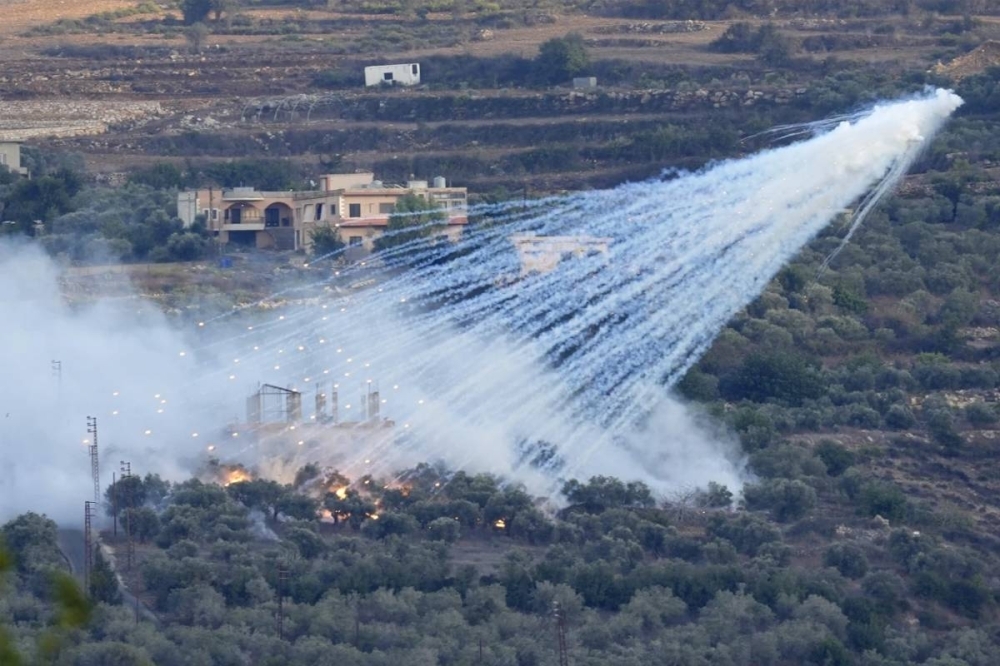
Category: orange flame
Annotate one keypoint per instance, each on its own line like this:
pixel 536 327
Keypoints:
pixel 235 476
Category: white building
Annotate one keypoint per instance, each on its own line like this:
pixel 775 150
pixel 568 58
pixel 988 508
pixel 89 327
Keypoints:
pixel 404 75
pixel 10 157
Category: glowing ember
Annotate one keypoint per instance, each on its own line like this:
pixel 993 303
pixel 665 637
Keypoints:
pixel 235 476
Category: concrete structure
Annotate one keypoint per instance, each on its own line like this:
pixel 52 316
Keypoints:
pixel 542 254
pixel 355 204
pixel 10 157
pixel 274 404
pixel 585 82
pixel 405 75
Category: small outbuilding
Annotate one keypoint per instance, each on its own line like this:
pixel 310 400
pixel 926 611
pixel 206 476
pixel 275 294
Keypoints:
pixel 404 75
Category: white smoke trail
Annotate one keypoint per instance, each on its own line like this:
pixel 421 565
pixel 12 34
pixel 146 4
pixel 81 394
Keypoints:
pixel 535 377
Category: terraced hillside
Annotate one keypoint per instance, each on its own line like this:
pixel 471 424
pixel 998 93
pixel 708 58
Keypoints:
pixel 285 82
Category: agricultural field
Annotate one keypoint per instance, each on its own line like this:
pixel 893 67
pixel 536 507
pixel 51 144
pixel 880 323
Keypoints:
pixel 285 82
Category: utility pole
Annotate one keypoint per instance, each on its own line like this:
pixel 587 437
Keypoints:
pixel 88 544
pixel 114 505
pixel 126 469
pixel 282 582
pixel 95 467
pixel 560 634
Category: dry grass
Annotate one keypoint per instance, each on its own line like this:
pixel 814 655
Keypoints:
pixel 21 14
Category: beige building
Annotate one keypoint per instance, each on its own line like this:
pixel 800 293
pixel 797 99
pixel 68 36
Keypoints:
pixel 355 204
pixel 543 254
pixel 10 157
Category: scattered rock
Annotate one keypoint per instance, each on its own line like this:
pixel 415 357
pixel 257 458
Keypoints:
pixel 27 119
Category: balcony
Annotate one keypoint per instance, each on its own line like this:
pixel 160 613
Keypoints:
pixel 244 226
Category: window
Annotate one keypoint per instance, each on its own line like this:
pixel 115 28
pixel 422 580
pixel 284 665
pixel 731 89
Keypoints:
pixel 387 76
pixel 355 210
pixel 215 213
pixel 319 211
pixel 333 210
pixel 386 208
pixel 355 241
pixel 415 69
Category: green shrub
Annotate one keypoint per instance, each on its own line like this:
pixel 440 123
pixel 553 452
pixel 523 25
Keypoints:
pixel 747 533
pixel 900 417
pixel 849 560
pixel 835 456
pixel 444 529
pixel 879 498
pixel 981 414
pixel 787 500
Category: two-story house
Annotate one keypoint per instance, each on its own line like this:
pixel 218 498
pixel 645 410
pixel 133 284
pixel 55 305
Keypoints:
pixel 355 204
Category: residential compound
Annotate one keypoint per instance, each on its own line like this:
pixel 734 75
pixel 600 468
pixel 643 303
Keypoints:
pixel 355 204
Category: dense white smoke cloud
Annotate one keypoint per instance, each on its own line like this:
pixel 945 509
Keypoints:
pixel 536 377
pixel 105 349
